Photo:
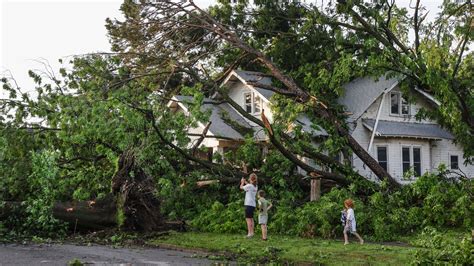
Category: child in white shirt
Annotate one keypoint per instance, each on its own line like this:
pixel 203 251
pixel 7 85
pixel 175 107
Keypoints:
pixel 250 189
pixel 350 225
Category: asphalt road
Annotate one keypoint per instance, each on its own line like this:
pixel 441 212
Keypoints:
pixel 56 254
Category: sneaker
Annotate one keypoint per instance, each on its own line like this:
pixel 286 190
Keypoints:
pixel 249 236
pixel 346 243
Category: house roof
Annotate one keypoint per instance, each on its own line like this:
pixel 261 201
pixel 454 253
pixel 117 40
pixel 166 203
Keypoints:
pixel 219 127
pixel 306 123
pixel 362 92
pixel 359 95
pixel 407 130
pixel 257 77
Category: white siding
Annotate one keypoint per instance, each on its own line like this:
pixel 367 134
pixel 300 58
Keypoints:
pixel 207 142
pixel 385 112
pixel 441 151
pixel 394 152
pixel 236 93
pixel 433 152
pixel 362 135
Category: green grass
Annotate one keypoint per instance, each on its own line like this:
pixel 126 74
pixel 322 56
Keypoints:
pixel 291 249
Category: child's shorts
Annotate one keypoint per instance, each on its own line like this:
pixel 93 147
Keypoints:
pixel 249 211
pixel 262 219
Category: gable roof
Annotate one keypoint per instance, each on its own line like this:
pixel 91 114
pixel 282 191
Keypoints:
pixel 405 129
pixel 219 127
pixel 247 77
pixel 257 77
pixel 362 92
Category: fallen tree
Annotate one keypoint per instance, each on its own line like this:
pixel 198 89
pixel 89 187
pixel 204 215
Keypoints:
pixel 98 214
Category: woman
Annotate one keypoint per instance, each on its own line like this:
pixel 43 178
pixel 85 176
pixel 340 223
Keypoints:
pixel 250 189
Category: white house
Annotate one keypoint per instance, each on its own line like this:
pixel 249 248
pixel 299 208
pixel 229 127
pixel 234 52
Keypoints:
pixel 384 123
pixel 381 120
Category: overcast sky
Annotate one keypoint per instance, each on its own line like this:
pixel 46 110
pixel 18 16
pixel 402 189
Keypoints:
pixel 32 30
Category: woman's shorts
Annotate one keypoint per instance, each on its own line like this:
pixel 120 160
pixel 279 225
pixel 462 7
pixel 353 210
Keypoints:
pixel 249 210
pixel 262 219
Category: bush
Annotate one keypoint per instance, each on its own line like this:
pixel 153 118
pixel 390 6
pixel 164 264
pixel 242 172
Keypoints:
pixel 319 218
pixel 430 201
pixel 38 206
pixel 439 251
pixel 221 218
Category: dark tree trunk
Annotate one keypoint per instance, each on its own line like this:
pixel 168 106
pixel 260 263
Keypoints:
pixel 82 215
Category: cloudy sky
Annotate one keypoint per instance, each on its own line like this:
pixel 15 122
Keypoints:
pixel 32 30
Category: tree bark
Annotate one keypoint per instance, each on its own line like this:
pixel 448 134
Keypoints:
pixel 315 194
pixel 82 215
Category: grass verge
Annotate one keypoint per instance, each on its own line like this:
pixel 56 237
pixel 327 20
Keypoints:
pixel 284 249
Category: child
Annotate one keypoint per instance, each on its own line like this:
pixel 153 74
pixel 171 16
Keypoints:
pixel 263 207
pixel 350 225
pixel 250 189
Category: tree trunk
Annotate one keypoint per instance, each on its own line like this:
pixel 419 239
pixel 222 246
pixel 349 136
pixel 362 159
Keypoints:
pixel 371 162
pixel 315 193
pixel 81 215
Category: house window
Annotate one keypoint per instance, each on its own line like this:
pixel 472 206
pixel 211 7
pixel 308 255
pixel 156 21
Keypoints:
pixel 417 161
pixel 248 102
pixel 406 159
pixel 382 157
pixel 394 103
pixel 405 106
pixel 411 159
pixel 253 103
pixel 454 162
pixel 257 104
pixel 398 104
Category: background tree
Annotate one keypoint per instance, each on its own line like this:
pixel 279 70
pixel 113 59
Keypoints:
pixel 206 41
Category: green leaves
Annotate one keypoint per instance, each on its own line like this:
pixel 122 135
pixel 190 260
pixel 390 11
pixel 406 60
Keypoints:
pixel 43 181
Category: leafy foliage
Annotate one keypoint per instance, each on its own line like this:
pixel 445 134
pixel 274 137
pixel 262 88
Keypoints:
pixel 44 182
pixel 439 251
pixel 430 201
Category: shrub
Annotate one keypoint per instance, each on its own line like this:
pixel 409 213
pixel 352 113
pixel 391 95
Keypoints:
pixel 221 218
pixel 439 251
pixel 39 216
pixel 430 201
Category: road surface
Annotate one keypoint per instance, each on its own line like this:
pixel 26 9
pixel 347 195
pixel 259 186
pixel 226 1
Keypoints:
pixel 61 254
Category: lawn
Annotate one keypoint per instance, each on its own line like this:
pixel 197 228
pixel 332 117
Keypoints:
pixel 289 249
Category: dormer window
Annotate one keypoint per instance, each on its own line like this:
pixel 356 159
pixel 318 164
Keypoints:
pixel 253 103
pixel 398 104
